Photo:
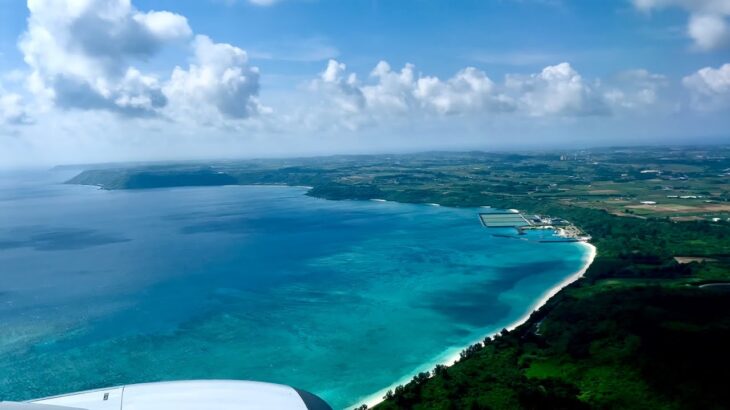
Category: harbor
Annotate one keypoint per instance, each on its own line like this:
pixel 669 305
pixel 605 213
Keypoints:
pixel 562 230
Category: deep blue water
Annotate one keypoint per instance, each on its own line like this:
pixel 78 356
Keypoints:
pixel 341 298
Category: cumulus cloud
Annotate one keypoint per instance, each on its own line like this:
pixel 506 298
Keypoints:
pixel 556 91
pixel 344 88
pixel 468 90
pixel 708 21
pixel 219 77
pixel 80 53
pixel 404 91
pixel 394 91
pixel 709 87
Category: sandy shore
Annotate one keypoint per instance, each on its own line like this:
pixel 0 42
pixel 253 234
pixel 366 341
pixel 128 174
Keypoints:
pixel 452 355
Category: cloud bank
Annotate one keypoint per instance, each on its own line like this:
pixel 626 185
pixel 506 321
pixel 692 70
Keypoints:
pixel 91 54
pixel 111 81
pixel 556 91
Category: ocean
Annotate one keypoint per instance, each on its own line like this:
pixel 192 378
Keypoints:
pixel 341 298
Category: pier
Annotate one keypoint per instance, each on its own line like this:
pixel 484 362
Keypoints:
pixel 564 230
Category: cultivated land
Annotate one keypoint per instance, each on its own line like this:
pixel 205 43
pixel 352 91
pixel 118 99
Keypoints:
pixel 638 331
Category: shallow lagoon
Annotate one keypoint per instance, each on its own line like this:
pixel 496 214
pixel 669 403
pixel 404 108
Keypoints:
pixel 342 298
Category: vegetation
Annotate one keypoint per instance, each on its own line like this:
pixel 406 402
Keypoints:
pixel 638 331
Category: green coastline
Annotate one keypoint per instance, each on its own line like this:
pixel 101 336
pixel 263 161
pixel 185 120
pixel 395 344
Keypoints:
pixel 637 324
pixel 453 356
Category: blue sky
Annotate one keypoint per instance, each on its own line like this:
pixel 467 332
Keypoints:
pixel 600 37
pixel 254 78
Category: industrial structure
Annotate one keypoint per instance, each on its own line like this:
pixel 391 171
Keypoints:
pixel 562 230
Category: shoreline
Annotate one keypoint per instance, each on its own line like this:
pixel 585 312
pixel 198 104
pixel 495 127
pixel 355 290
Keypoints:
pixel 451 356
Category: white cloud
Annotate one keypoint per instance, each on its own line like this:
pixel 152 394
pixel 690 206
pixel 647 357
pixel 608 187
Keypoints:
pixel 556 90
pixel 80 53
pixel 344 89
pixel 12 109
pixel 635 89
pixel 708 30
pixel 709 87
pixel 164 25
pixel 218 81
pixel 393 93
pixel 468 90
pixel 708 22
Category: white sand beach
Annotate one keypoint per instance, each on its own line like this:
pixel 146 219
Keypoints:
pixel 452 355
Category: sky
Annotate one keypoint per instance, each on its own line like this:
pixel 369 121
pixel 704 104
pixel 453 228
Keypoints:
pixel 84 81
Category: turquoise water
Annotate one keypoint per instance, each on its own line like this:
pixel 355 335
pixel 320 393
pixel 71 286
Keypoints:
pixel 341 298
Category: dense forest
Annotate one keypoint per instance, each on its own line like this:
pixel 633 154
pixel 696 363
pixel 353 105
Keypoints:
pixel 637 332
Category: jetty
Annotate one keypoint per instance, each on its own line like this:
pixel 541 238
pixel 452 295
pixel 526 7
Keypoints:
pixel 564 230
